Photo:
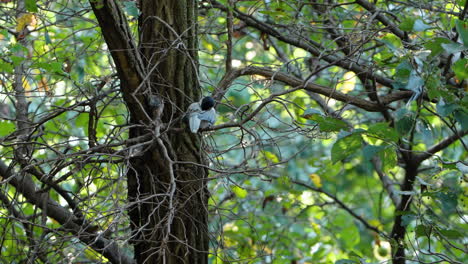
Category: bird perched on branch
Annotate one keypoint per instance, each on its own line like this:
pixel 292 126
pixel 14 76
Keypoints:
pixel 201 114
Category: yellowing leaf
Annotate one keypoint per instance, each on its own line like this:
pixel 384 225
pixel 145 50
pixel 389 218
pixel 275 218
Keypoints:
pixel 239 192
pixel 26 87
pixel 25 20
pixel 316 227
pixel 376 223
pixel 316 180
pixel 271 157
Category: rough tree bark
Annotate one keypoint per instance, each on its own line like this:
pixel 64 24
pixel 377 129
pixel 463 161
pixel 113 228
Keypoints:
pixel 166 191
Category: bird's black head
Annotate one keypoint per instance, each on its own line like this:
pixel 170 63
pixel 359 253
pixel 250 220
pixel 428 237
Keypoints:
pixel 207 103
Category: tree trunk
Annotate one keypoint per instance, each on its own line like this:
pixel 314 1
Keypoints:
pixel 166 190
pixel 399 228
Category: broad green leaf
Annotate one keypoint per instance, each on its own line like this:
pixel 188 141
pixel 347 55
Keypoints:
pixel 419 25
pixel 6 67
pixel 389 158
pixel 462 29
pixel 406 219
pixel 407 24
pixel 449 202
pixel 433 87
pixel 444 109
pixel 461 69
pixel 309 112
pixel 6 127
pixel 346 146
pixel 415 82
pixel 462 167
pixel 403 71
pixel 435 45
pixel 239 192
pixel 422 231
pixel 462 118
pixel 326 124
pixel 405 121
pixel 371 151
pixel 31 6
pixel 383 131
pixel 453 47
pixel 451 233
pixel 270 156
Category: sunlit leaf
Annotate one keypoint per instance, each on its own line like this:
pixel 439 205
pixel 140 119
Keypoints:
pixel 346 146
pixel 239 192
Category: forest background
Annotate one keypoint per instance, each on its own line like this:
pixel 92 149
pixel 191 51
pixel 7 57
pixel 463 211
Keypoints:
pixel 339 139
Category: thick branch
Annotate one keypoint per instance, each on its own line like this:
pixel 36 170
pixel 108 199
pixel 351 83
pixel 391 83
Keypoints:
pixel 124 51
pixel 383 19
pixel 386 181
pixel 315 88
pixel 25 185
pixel 439 146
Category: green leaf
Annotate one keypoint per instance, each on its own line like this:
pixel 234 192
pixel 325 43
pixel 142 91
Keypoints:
pixel 415 82
pixel 449 202
pixel 422 231
pixel 346 146
pixel 326 124
pixel 371 151
pixel 6 67
pixel 462 118
pixel 405 120
pixel 308 113
pixel 31 5
pixel 460 68
pixel 50 67
pixel 451 233
pixel 6 127
pixel 435 46
pixel 270 156
pixel 389 158
pixel 433 86
pixel 407 219
pixel 444 109
pixel 462 29
pixel 384 131
pixel 419 25
pixel 239 192
pixel 407 24
pixel 403 71
pixel 453 47
pixel 16 60
pixel 462 167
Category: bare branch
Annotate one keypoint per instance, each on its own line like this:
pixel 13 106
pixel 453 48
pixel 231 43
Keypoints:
pixel 25 185
pixel 301 43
